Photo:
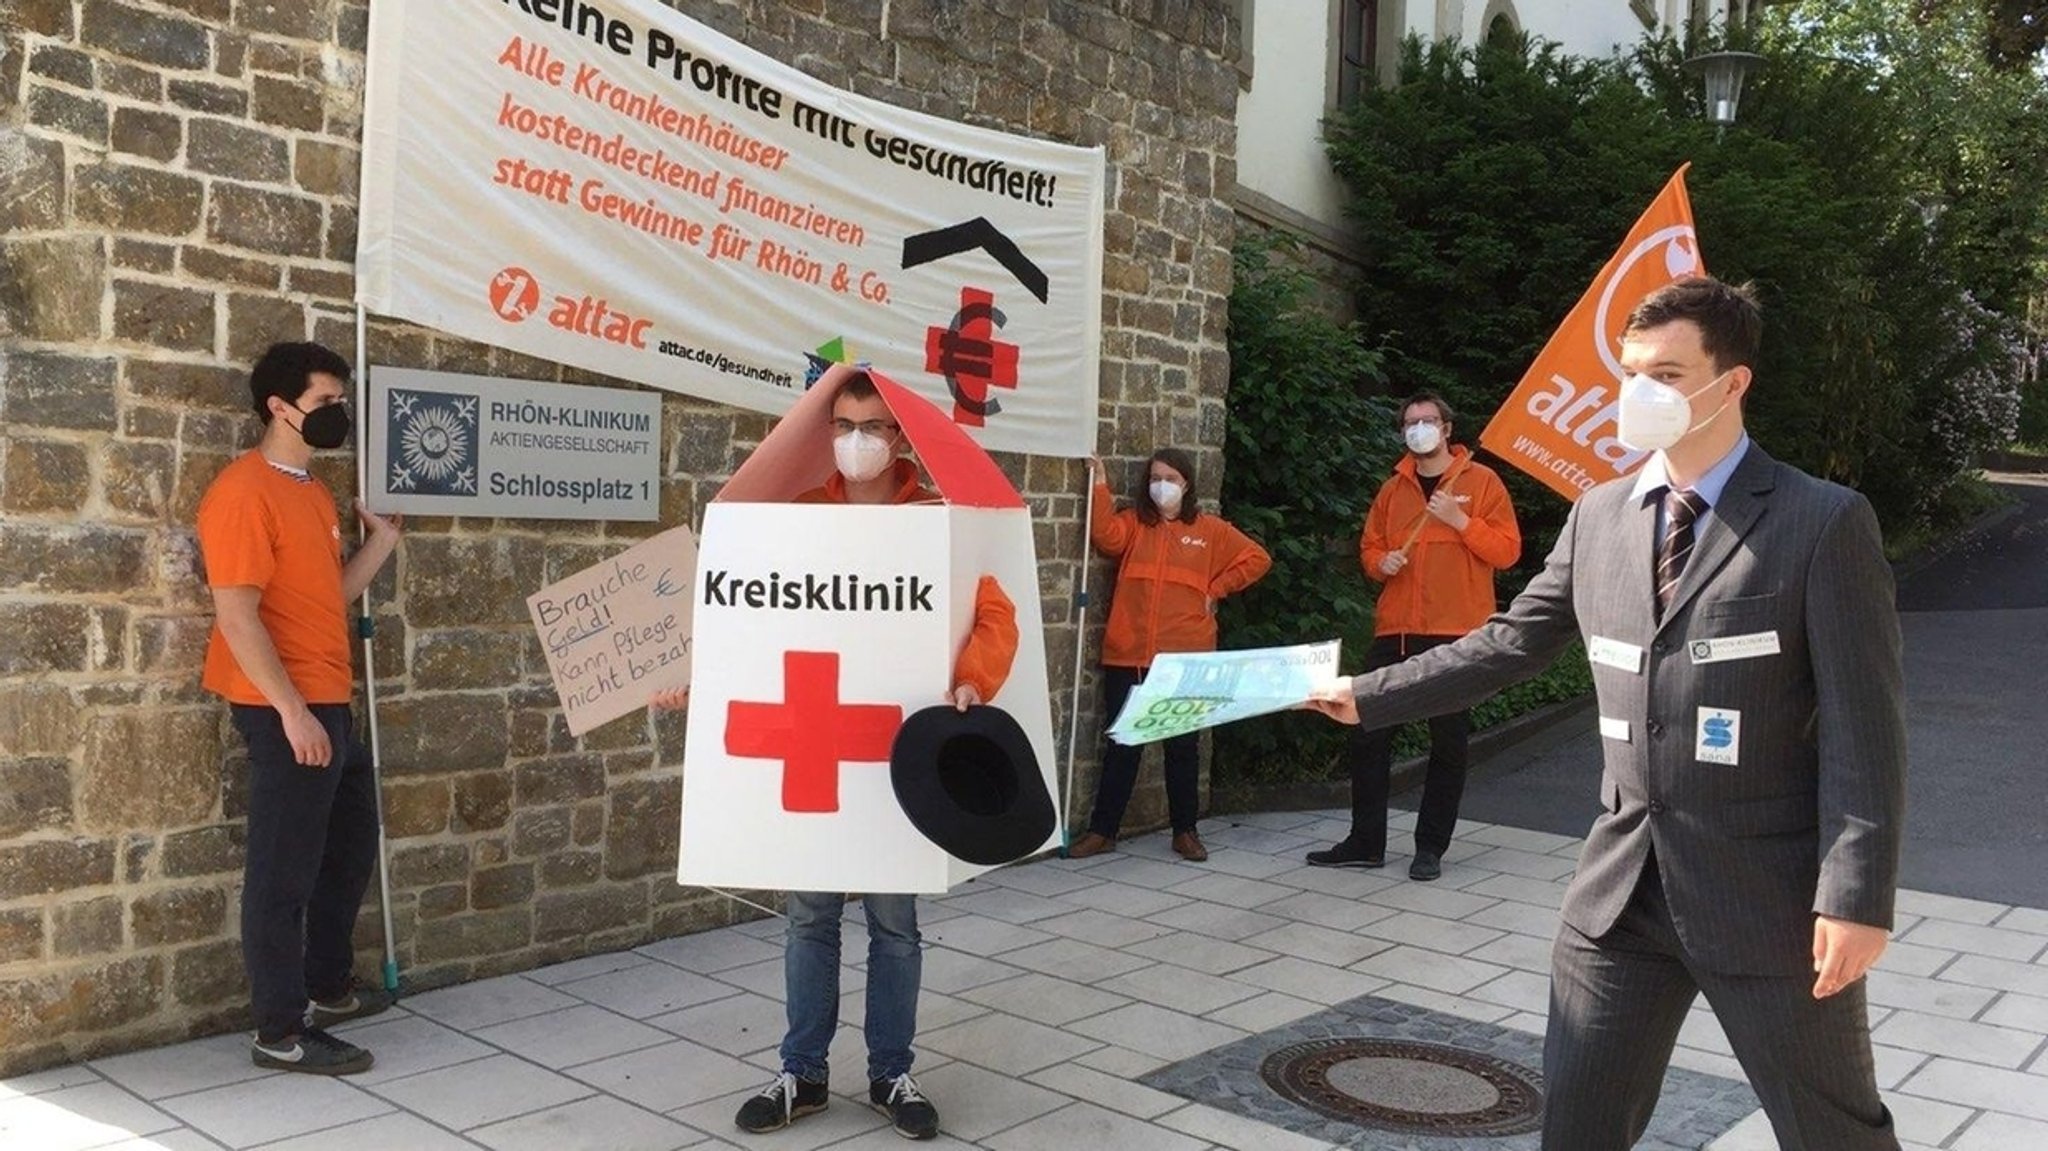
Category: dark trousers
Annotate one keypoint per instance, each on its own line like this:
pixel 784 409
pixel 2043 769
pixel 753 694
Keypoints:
pixel 312 847
pixel 1120 764
pixel 1372 762
pixel 1616 1004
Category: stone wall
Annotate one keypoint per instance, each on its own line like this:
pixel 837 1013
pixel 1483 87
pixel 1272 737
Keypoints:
pixel 177 190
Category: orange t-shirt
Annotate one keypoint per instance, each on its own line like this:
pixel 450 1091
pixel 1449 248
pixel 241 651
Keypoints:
pixel 264 528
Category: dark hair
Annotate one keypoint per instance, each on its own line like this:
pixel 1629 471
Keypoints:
pixel 1180 461
pixel 858 386
pixel 1443 409
pixel 287 370
pixel 1731 322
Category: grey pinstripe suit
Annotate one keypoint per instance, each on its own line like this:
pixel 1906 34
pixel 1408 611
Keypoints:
pixel 1699 874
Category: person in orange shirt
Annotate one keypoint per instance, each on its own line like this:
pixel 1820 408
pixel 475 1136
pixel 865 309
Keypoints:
pixel 1437 531
pixel 279 655
pixel 867 447
pixel 1173 564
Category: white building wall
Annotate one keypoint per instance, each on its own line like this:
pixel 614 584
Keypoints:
pixel 1281 162
pixel 1280 155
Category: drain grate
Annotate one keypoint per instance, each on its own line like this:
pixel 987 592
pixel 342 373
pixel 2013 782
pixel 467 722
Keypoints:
pixel 1401 1085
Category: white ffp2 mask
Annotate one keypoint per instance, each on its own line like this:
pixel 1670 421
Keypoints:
pixel 1654 415
pixel 860 456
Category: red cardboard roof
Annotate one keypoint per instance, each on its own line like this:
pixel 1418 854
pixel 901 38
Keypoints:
pixel 796 455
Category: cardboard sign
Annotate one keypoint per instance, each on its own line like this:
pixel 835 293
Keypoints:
pixel 820 628
pixel 1559 423
pixel 1185 692
pixel 443 444
pixel 619 631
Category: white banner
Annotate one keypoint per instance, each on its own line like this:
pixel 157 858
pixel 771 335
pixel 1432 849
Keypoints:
pixel 623 189
pixel 1188 691
pixel 444 444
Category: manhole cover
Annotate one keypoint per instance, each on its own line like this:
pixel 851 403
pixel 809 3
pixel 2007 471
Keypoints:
pixel 1398 1085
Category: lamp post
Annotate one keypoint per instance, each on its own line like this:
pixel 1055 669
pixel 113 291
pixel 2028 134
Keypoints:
pixel 1724 73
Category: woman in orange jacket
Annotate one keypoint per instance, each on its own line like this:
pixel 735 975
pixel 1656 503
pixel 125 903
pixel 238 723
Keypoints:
pixel 1173 564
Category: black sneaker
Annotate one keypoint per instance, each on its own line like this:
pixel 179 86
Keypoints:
pixel 1346 854
pixel 781 1103
pixel 906 1106
pixel 311 1052
pixel 1428 865
pixel 360 1001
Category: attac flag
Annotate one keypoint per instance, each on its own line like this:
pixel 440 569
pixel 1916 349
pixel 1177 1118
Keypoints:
pixel 1559 424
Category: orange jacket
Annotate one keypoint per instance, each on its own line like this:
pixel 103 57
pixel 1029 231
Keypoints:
pixel 1447 587
pixel 991 646
pixel 1168 581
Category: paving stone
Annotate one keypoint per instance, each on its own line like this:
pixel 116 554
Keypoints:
pixel 1957 1038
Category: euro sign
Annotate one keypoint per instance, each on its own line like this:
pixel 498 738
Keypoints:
pixel 970 358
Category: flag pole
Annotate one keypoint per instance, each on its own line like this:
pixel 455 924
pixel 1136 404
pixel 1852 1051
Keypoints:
pixel 1080 647
pixel 366 628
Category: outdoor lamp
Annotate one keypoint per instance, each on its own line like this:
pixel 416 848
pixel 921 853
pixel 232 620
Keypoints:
pixel 1724 72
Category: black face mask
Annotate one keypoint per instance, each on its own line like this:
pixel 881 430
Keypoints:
pixel 325 427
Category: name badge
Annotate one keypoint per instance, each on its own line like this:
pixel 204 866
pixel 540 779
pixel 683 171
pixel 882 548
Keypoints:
pixel 1720 736
pixel 1614 729
pixel 1614 653
pixel 1729 647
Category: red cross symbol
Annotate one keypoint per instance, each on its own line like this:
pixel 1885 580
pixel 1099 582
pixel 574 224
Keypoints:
pixel 811 732
pixel 967 353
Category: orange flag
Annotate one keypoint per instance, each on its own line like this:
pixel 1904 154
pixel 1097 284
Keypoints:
pixel 1559 424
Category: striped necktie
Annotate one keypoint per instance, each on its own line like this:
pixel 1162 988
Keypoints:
pixel 1681 510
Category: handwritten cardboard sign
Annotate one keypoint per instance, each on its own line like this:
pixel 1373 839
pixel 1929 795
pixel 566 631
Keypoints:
pixel 619 631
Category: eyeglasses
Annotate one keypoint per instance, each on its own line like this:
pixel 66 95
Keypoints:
pixel 876 428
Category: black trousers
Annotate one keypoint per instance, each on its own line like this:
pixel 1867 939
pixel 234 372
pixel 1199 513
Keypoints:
pixel 1372 762
pixel 1617 1002
pixel 312 848
pixel 1120 764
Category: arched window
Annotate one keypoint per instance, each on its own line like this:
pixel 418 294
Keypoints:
pixel 1500 23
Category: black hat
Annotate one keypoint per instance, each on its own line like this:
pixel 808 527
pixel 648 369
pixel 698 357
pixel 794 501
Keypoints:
pixel 970 782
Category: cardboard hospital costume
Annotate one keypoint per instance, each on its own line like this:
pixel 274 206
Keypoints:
pixel 822 633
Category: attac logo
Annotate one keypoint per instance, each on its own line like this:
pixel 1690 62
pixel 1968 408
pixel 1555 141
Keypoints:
pixel 515 295
pixel 971 359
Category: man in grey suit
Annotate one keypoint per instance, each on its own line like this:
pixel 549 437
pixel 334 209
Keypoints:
pixel 1745 647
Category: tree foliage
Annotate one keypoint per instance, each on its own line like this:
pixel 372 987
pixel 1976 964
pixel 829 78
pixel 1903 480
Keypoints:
pixel 1885 190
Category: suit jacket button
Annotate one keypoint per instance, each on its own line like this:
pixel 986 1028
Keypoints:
pixel 1661 647
pixel 1656 807
pixel 1655 729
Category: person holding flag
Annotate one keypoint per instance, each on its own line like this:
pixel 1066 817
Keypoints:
pixel 1437 531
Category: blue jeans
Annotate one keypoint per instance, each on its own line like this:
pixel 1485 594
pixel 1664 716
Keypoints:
pixel 810 969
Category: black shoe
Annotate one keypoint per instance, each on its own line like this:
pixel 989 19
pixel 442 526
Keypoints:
pixel 781 1103
pixel 360 1001
pixel 906 1106
pixel 1346 854
pixel 311 1052
pixel 1428 865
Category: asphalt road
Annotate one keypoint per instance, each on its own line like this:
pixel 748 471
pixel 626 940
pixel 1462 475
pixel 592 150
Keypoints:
pixel 1975 620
